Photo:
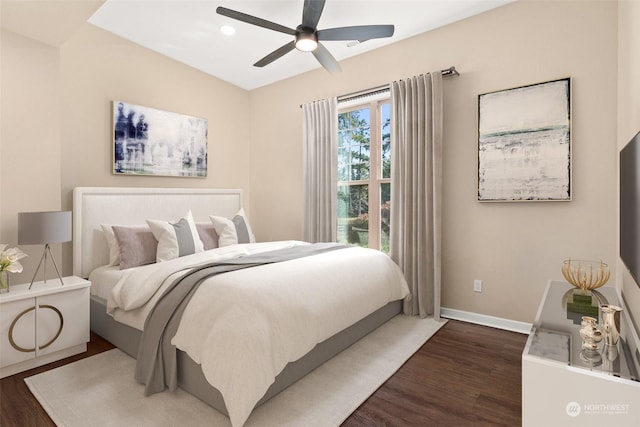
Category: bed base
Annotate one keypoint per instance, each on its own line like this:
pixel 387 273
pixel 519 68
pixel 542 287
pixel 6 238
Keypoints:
pixel 190 376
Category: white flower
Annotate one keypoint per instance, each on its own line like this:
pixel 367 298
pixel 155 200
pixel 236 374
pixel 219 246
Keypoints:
pixel 9 259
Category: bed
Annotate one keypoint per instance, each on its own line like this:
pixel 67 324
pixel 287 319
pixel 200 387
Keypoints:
pixel 94 207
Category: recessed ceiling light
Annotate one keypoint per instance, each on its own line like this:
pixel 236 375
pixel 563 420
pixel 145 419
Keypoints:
pixel 227 30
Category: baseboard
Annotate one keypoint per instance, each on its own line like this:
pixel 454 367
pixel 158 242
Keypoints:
pixel 482 319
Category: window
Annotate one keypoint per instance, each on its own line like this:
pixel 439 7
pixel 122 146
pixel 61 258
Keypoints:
pixel 364 174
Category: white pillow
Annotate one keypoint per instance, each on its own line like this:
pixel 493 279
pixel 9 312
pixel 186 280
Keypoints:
pixel 112 242
pixel 176 239
pixel 233 231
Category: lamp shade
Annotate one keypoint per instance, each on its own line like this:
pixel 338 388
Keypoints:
pixel 36 228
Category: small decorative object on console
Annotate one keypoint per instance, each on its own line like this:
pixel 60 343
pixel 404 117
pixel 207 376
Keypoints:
pixel 610 320
pixel 9 264
pixel 586 275
pixel 590 334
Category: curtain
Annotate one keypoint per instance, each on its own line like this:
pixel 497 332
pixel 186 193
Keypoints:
pixel 416 189
pixel 320 140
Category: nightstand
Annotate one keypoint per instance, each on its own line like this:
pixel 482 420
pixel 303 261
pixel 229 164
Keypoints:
pixel 43 324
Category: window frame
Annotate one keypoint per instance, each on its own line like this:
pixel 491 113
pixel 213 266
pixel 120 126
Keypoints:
pixel 375 179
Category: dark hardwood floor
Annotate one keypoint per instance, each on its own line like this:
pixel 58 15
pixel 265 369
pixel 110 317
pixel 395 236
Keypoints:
pixel 465 375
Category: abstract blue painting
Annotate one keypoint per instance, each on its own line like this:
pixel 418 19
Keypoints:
pixel 154 142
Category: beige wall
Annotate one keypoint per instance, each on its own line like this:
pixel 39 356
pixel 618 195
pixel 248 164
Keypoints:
pixel 629 114
pixel 30 165
pixel 98 67
pixel 515 248
pixel 57 126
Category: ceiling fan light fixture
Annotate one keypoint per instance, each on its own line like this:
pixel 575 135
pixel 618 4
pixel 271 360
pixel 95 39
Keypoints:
pixel 306 42
pixel 227 30
pixel 307 35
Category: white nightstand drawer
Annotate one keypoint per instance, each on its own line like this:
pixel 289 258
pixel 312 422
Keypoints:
pixel 62 320
pixel 18 323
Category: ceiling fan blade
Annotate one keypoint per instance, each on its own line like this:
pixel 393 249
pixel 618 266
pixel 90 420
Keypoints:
pixel 362 32
pixel 276 54
pixel 311 12
pixel 254 21
pixel 327 60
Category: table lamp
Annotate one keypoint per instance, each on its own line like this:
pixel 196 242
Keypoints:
pixel 37 228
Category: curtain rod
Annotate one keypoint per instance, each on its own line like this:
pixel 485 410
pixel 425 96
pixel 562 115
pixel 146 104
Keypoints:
pixel 448 72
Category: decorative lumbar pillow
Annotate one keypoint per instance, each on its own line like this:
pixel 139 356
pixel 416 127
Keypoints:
pixel 233 231
pixel 136 244
pixel 176 239
pixel 208 235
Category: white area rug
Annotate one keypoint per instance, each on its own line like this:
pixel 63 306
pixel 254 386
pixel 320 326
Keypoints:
pixel 100 390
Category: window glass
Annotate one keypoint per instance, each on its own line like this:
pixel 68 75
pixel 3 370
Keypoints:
pixel 364 174
pixel 353 214
pixel 354 137
pixel 385 216
pixel 385 132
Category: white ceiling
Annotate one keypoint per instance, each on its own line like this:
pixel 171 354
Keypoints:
pixel 189 31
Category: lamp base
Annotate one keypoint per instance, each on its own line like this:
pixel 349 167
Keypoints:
pixel 45 255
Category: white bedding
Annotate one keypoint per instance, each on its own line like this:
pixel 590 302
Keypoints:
pixel 103 279
pixel 135 293
pixel 243 327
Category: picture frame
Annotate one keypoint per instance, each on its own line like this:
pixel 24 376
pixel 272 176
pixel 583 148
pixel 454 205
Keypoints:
pixel 151 142
pixel 524 143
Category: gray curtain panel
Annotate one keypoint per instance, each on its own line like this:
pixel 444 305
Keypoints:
pixel 320 139
pixel 416 189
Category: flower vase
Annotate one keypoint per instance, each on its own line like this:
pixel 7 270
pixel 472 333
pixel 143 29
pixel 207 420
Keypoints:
pixel 4 282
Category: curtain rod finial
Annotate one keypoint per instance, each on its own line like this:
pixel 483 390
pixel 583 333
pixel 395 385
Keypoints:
pixel 451 71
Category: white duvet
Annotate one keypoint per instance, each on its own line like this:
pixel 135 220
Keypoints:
pixel 138 289
pixel 244 327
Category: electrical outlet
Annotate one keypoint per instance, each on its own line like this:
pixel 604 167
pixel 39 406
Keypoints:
pixel 477 285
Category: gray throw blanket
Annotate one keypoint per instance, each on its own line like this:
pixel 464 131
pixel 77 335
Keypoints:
pixel 156 364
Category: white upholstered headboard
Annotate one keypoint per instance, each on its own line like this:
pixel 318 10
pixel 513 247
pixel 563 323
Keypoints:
pixel 93 206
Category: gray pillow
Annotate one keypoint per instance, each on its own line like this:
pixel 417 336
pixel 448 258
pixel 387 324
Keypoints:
pixel 207 234
pixel 137 245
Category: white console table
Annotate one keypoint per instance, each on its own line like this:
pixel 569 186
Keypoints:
pixel 564 386
pixel 43 324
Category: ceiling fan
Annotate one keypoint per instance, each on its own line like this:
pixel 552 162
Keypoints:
pixel 307 35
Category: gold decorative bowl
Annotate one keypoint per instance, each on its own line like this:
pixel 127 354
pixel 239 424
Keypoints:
pixel 585 275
